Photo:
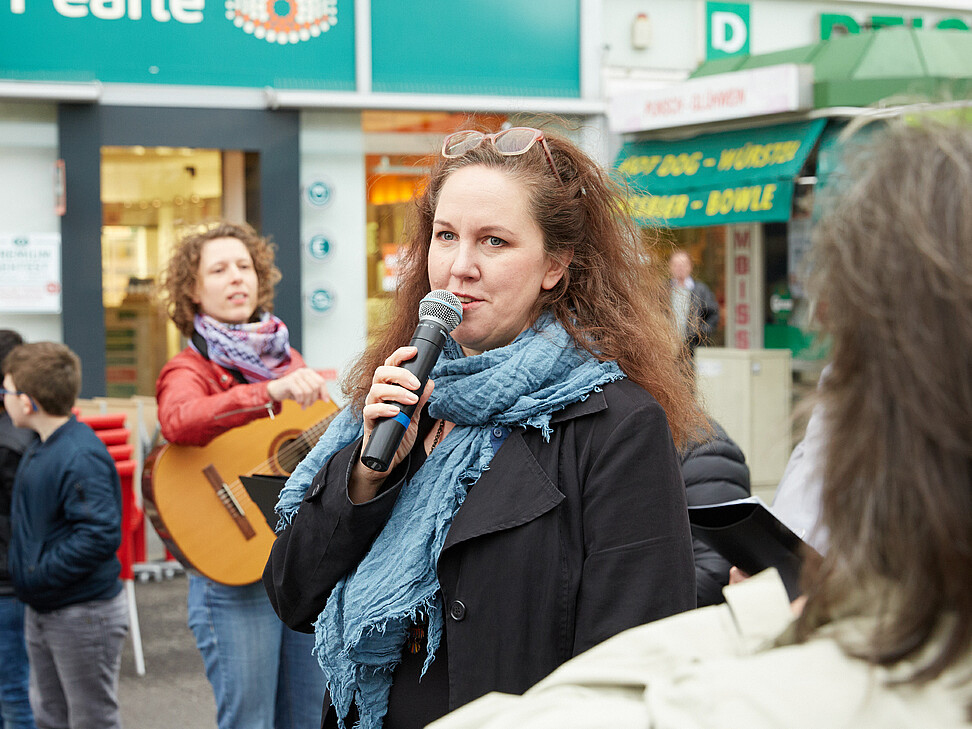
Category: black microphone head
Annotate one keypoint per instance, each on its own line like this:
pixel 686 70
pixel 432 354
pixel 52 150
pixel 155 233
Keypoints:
pixel 443 306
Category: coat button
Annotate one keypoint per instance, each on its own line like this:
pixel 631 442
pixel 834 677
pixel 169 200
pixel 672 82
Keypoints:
pixel 498 433
pixel 457 611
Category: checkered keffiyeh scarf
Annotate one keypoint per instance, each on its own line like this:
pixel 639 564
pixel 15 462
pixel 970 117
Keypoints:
pixel 259 350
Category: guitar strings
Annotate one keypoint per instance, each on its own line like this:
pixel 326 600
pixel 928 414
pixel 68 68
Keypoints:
pixel 315 431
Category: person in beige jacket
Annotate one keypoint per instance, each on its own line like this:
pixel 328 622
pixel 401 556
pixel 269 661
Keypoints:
pixel 884 638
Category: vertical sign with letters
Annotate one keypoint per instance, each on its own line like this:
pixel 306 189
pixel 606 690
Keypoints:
pixel 744 279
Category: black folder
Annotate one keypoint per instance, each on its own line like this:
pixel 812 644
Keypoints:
pixel 265 491
pixel 747 534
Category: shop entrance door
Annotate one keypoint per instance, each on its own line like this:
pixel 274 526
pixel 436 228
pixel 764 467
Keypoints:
pixel 136 179
pixel 150 198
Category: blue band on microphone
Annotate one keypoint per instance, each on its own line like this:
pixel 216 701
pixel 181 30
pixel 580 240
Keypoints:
pixel 403 419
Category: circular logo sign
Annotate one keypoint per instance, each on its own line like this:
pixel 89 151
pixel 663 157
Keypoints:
pixel 282 21
pixel 780 303
pixel 319 247
pixel 321 301
pixel 318 193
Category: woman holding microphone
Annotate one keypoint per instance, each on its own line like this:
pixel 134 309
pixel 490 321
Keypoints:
pixel 534 506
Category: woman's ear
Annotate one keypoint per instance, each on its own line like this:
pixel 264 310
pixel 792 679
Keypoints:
pixel 555 272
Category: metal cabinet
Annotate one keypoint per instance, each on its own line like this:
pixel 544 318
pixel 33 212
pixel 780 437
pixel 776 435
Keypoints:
pixel 748 392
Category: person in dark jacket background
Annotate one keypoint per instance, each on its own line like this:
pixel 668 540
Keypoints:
pixel 714 471
pixel 66 519
pixel 694 306
pixel 14 678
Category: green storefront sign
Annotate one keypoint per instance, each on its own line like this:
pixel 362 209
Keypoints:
pixel 231 43
pixel 734 177
pixel 499 47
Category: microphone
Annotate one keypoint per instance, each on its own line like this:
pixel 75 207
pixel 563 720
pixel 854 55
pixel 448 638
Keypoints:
pixel 440 312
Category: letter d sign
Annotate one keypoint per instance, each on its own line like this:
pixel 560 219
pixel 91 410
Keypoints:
pixel 727 29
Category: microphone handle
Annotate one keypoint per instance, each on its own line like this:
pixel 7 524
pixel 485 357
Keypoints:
pixel 429 338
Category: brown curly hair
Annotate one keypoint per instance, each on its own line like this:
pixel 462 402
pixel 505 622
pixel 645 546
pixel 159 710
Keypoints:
pixel 612 298
pixel 181 275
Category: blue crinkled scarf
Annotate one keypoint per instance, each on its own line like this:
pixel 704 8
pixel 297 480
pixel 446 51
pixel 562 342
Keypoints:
pixel 362 630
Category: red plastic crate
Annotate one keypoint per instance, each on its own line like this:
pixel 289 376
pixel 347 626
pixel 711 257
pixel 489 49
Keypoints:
pixel 121 452
pixel 104 422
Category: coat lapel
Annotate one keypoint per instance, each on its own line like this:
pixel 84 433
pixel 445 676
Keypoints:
pixel 513 491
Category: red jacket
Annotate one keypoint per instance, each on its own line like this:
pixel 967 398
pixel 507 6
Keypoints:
pixel 198 399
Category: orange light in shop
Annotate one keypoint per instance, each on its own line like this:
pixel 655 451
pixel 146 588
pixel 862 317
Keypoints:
pixel 390 189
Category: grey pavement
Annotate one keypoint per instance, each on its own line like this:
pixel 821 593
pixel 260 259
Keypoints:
pixel 174 692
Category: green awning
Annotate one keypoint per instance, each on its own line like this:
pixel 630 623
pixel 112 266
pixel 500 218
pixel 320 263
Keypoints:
pixel 713 179
pixel 903 64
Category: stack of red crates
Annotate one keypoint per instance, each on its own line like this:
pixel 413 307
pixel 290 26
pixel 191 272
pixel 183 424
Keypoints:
pixel 110 428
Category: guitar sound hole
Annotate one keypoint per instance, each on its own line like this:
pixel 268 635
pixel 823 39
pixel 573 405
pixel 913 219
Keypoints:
pixel 289 456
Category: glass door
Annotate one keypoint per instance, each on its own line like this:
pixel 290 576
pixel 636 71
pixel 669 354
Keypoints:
pixel 150 197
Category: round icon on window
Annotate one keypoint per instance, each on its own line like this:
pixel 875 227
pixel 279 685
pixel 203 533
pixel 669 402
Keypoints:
pixel 318 193
pixel 319 247
pixel 320 301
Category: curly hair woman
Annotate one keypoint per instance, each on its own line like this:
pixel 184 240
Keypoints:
pixel 237 367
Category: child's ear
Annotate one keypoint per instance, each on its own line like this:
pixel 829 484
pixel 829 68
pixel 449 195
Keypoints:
pixel 27 403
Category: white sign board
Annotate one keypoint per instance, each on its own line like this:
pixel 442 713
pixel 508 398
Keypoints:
pixel 30 273
pixel 735 95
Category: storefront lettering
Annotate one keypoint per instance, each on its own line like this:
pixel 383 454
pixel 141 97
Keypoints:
pixel 680 164
pixel 673 165
pixel 841 24
pixel 758 155
pixel 669 207
pixel 664 107
pixel 742 314
pixel 182 11
pixel 740 199
pixel 643 165
pixel 725 99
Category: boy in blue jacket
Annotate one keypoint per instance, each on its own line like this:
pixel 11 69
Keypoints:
pixel 65 530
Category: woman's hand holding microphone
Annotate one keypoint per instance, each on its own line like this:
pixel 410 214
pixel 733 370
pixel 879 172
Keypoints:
pixel 391 384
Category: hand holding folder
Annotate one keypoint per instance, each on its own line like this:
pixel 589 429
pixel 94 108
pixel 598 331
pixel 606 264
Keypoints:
pixel 746 533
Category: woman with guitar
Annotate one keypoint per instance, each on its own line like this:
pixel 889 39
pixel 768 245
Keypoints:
pixel 238 367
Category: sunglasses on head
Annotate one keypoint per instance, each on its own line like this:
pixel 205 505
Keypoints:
pixel 509 143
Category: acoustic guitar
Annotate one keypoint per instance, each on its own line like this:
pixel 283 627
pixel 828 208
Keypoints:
pixel 200 508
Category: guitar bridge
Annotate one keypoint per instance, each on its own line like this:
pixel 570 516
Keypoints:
pixel 229 501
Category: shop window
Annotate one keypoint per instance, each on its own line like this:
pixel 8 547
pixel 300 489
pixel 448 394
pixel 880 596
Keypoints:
pixel 400 148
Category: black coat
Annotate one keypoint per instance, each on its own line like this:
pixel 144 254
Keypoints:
pixel 13 442
pixel 703 316
pixel 714 470
pixel 558 546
